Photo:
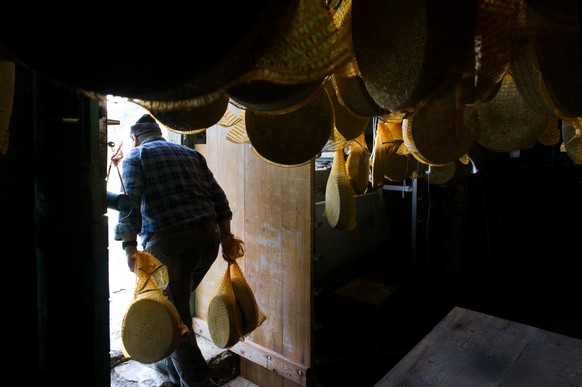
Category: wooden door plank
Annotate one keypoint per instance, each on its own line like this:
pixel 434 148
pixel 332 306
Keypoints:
pixel 273 211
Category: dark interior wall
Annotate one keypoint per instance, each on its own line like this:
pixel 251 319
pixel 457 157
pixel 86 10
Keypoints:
pixel 56 237
pixel 19 277
pixel 504 240
pixel 518 215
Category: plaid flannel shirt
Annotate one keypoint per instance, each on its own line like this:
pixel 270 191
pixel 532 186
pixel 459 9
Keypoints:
pixel 168 184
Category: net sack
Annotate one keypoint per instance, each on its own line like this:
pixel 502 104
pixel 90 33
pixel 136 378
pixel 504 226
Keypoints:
pixel 233 311
pixel 151 328
pixel 223 315
pixel 251 315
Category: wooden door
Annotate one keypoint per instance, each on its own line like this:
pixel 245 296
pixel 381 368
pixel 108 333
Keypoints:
pixel 273 211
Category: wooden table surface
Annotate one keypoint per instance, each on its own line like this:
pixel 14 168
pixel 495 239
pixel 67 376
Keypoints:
pixel 469 349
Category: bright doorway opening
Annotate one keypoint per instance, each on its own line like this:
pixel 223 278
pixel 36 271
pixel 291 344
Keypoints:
pixel 121 280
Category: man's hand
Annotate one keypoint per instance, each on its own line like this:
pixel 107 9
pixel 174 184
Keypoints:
pixel 129 254
pixel 117 156
pixel 232 247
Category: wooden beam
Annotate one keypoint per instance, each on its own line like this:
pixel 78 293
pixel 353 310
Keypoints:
pixel 261 356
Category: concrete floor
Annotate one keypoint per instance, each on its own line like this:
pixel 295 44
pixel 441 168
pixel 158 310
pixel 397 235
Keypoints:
pixel 130 373
pixel 224 366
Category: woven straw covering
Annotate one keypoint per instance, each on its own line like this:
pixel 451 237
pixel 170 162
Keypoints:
pixel 548 66
pixel 150 331
pixel 507 122
pixel 572 137
pixel 310 43
pixel 400 166
pixel 349 86
pixel 410 51
pixel 238 134
pixel 315 44
pixel 340 205
pixel 271 96
pixel 292 138
pixel 347 124
pixel 436 134
pixel 194 119
pixel 354 96
pixel 378 162
pixel 251 315
pixel 496 39
pixel 223 315
pixel 358 164
pixel 551 136
pixel 223 321
pixel 151 328
pixel 388 136
pixel 247 304
pixel 183 55
pixel 233 311
pixel 442 174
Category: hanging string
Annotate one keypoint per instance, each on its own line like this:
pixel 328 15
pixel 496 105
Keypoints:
pixel 111 144
pixel 118 154
pixel 474 169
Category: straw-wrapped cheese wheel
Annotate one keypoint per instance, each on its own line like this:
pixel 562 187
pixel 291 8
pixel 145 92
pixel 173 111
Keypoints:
pixel 340 208
pixel 247 305
pixel 151 328
pixel 358 165
pixel 150 331
pixel 382 143
pixel 223 321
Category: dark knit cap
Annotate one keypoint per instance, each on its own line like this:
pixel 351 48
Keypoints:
pixel 145 124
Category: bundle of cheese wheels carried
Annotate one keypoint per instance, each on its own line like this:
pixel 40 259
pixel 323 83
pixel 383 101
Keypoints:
pixel 233 312
pixel 151 328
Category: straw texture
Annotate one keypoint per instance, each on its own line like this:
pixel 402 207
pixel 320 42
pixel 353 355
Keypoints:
pixel 251 315
pixel 437 134
pixel 150 331
pixel 270 96
pixel 349 125
pixel 223 321
pixel 388 136
pixel 400 166
pixel 233 311
pixel 315 44
pixel 442 174
pixel 507 122
pixel 194 119
pixel 548 66
pixel 411 51
pixel 223 315
pixel 340 207
pixel 358 164
pixel 572 140
pixel 353 95
pixel 292 138
pixel 151 327
pixel 496 41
